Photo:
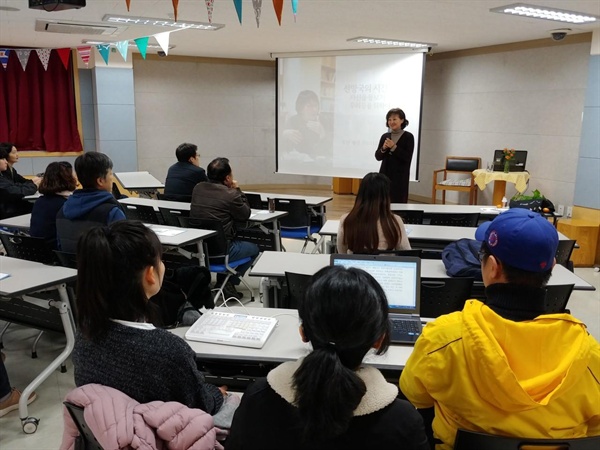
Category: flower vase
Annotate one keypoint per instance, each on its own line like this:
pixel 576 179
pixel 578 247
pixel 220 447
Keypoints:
pixel 506 166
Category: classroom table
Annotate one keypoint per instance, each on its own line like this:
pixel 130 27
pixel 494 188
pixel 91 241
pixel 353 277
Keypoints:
pixel 27 277
pixel 177 237
pixel 141 182
pixel 316 204
pixel 21 223
pixel 482 177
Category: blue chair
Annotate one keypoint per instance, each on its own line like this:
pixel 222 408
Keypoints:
pixel 297 224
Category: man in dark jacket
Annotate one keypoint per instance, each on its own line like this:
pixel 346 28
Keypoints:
pixel 91 206
pixel 185 174
pixel 13 187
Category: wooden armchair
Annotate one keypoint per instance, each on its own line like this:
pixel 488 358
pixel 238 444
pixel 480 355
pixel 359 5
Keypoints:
pixel 457 165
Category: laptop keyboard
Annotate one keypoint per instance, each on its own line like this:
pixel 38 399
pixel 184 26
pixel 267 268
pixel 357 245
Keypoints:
pixel 406 327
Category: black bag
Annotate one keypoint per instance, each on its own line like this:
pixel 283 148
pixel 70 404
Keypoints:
pixel 461 259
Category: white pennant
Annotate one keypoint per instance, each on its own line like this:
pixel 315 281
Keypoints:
pixel 163 41
pixel 23 56
pixel 44 55
pixel 122 46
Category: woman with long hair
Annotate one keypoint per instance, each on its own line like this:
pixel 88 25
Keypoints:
pixel 371 226
pixel 329 399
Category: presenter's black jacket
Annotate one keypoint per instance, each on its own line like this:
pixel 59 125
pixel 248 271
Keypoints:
pixel 13 187
pixel 396 165
pixel 182 177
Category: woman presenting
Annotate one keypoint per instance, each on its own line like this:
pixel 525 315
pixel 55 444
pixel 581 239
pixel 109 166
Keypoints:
pixel 395 152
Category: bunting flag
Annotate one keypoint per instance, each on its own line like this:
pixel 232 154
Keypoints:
pixel 104 50
pixel 142 44
pixel 175 5
pixel 84 54
pixel 257 10
pixel 123 46
pixel 65 54
pixel 295 8
pixel 163 41
pixel 238 8
pixel 127 2
pixel 278 5
pixel 44 56
pixel 209 8
pixel 23 56
pixel 4 53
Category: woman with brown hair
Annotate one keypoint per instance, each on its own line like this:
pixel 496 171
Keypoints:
pixel 371 226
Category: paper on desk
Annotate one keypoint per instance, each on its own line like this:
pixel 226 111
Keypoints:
pixel 167 231
pixel 4 275
pixel 493 209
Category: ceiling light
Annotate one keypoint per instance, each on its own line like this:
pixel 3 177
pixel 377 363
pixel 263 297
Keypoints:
pixel 391 42
pixel 150 21
pixel 538 12
pixel 131 44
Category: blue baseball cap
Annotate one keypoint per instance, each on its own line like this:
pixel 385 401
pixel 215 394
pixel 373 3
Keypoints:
pixel 521 238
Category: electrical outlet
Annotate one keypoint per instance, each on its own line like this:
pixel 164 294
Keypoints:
pixel 560 210
pixel 569 212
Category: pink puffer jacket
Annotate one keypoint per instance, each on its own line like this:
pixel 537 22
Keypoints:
pixel 119 422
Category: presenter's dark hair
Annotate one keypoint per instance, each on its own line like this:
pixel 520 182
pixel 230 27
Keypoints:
pixel 218 169
pixel 110 265
pixel 344 313
pixel 58 177
pixel 186 151
pixel 304 98
pixel 396 112
pixel 90 166
pixel 371 208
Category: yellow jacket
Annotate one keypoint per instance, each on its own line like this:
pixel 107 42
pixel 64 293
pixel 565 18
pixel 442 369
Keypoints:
pixel 538 378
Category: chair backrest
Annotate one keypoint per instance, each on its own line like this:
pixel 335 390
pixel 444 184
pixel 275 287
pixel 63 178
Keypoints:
pixel 174 198
pixel 255 201
pixel 441 296
pixel 171 216
pixel 66 259
pixel 143 213
pixel 470 440
pixel 86 439
pixel 296 284
pixel 557 297
pixel 416 252
pixel 217 245
pixel 454 220
pixel 462 163
pixel 563 251
pixel 29 248
pixel 298 215
pixel 409 216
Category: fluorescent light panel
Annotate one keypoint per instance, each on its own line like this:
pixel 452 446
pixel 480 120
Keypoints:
pixel 150 21
pixel 390 42
pixel 131 44
pixel 538 12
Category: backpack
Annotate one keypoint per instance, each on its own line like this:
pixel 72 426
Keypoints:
pixel 461 259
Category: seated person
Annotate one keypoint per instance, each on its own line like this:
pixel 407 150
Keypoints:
pixel 119 270
pixel 505 367
pixel 91 206
pixel 329 399
pixel 221 199
pixel 58 183
pixel 13 187
pixel 371 225
pixel 185 174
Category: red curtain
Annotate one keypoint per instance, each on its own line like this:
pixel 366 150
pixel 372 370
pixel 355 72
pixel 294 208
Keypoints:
pixel 37 106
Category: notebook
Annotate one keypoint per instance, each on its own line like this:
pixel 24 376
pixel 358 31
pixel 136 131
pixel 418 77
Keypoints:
pixel 517 164
pixel 400 278
pixel 242 330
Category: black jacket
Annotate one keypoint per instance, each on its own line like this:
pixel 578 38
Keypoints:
pixel 13 187
pixel 182 177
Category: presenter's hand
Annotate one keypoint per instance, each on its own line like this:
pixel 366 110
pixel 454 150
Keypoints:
pixel 388 143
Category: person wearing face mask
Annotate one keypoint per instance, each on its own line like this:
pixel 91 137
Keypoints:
pixel 13 187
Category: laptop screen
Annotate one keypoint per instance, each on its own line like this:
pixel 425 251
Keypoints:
pixel 517 164
pixel 399 276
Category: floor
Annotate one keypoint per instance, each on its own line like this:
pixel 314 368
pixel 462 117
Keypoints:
pixel 17 341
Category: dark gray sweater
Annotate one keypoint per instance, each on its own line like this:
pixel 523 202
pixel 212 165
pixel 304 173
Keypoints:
pixel 146 365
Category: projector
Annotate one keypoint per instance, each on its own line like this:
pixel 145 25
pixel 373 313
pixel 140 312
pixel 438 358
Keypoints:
pixel 56 5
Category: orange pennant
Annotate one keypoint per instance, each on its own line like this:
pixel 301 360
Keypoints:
pixel 278 5
pixel 175 5
pixel 128 3
pixel 64 54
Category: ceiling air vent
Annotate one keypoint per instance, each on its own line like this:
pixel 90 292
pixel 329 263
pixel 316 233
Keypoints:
pixel 66 27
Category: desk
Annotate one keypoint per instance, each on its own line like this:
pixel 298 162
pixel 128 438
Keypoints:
pixel 177 237
pixel 315 203
pixel 483 177
pixel 27 277
pixel 141 182
pixel 21 223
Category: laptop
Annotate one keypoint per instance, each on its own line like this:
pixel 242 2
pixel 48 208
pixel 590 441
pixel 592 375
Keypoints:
pixel 517 164
pixel 400 278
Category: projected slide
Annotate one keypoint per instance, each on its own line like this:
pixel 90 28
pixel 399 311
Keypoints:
pixel 331 110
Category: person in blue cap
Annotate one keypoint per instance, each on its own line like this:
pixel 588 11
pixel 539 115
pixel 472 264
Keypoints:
pixel 504 366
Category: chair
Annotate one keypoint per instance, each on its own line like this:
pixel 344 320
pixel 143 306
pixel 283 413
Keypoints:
pixel 142 213
pixel 255 201
pixel 171 216
pixel 464 165
pixel 218 257
pixel 563 253
pixel 470 440
pixel 86 439
pixel 415 252
pixel 297 224
pixel 29 248
pixel 441 296
pixel 454 220
pixel 296 285
pixel 66 259
pixel 557 297
pixel 410 216
pixel 174 198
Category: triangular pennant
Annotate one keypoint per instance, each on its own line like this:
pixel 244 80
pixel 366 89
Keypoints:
pixel 65 54
pixel 278 5
pixel 142 44
pixel 127 2
pixel 4 53
pixel 209 8
pixel 163 41
pixel 175 5
pixel 104 50
pixel 257 4
pixel 122 46
pixel 23 56
pixel 295 8
pixel 238 8
pixel 84 54
pixel 44 56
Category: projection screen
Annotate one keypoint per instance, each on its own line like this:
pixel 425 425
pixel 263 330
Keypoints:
pixel 331 110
